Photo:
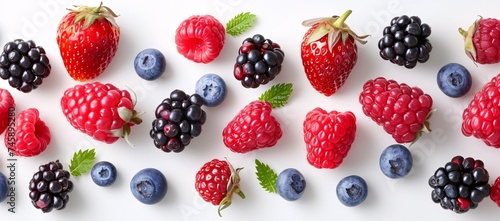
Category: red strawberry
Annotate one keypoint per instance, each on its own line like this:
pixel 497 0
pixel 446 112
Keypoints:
pixel 482 41
pixel 88 40
pixel 255 127
pixel 328 137
pixel 31 135
pixel 495 192
pixel 402 111
pixel 329 52
pixel 480 118
pixel 99 110
pixel 7 107
pixel 217 181
pixel 200 38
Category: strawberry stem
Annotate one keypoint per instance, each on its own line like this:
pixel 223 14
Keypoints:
pixel 339 22
pixel 98 9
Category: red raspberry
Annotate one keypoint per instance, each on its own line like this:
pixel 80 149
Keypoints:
pixel 495 192
pixel 6 105
pixel 482 41
pixel 402 111
pixel 200 38
pixel 217 181
pixel 99 110
pixel 480 118
pixel 252 128
pixel 328 137
pixel 31 135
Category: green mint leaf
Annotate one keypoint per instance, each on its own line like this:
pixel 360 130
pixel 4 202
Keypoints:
pixel 82 162
pixel 277 95
pixel 240 23
pixel 266 176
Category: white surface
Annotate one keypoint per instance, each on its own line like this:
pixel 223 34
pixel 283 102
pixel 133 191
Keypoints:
pixel 150 23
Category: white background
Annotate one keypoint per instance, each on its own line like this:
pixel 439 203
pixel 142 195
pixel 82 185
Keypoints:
pixel 150 23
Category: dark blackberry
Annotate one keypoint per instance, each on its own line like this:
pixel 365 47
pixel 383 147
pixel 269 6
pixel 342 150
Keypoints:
pixel 258 62
pixel 460 185
pixel 49 187
pixel 405 41
pixel 24 65
pixel 178 119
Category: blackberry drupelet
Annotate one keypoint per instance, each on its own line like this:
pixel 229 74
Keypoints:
pixel 179 118
pixel 50 186
pixel 405 41
pixel 24 65
pixel 460 185
pixel 258 62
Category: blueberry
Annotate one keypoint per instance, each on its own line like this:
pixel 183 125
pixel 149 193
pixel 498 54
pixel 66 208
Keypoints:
pixel 3 187
pixel 352 190
pixel 212 89
pixel 290 184
pixel 149 64
pixel 396 161
pixel 103 173
pixel 454 80
pixel 149 186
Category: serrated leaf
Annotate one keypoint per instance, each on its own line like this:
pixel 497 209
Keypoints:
pixel 278 94
pixel 266 176
pixel 82 162
pixel 240 23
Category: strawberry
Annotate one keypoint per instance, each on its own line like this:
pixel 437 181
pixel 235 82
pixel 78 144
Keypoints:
pixel 328 137
pixel 30 137
pixel 88 40
pixel 200 38
pixel 99 110
pixel 480 117
pixel 254 126
pixel 329 52
pixel 217 181
pixel 481 41
pixel 402 111
pixel 7 107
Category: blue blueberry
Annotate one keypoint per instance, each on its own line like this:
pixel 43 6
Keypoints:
pixel 352 190
pixel 149 64
pixel 149 186
pixel 454 80
pixel 290 184
pixel 103 173
pixel 212 89
pixel 396 161
pixel 4 187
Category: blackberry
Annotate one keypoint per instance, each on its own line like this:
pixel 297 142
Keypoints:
pixel 405 41
pixel 179 118
pixel 50 186
pixel 460 185
pixel 258 62
pixel 24 65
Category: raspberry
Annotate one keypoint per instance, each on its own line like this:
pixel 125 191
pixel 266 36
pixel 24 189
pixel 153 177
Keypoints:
pixel 495 192
pixel 200 38
pixel 31 134
pixel 258 62
pixel 7 107
pixel 49 187
pixel 252 128
pixel 481 41
pixel 24 65
pixel 217 181
pixel 179 119
pixel 480 116
pixel 405 41
pixel 402 111
pixel 460 185
pixel 101 111
pixel 328 137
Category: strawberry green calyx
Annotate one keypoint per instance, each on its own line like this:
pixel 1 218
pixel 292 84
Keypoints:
pixel 90 14
pixel 277 95
pixel 335 28
pixel 470 50
pixel 233 186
